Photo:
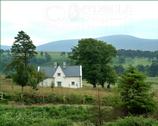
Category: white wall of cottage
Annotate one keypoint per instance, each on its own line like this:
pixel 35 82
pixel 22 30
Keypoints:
pixel 59 76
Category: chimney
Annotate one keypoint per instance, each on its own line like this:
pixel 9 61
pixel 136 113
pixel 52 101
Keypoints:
pixel 64 64
pixel 55 64
pixel 38 68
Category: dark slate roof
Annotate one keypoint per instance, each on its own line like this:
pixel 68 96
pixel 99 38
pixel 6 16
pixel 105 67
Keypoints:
pixel 69 71
pixel 49 71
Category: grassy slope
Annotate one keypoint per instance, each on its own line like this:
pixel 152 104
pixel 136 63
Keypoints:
pixel 137 61
pixel 8 86
pixel 56 56
pixel 59 57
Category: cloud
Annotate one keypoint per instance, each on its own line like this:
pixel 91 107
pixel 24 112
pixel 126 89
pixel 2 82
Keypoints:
pixel 54 20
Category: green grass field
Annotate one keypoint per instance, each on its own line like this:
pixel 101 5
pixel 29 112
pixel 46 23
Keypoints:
pixel 133 62
pixel 137 61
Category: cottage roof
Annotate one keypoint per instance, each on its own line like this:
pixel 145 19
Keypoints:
pixel 69 71
pixel 49 71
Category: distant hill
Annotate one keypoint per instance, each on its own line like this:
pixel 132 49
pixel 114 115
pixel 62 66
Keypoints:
pixel 118 41
pixel 63 45
pixel 4 47
pixel 131 42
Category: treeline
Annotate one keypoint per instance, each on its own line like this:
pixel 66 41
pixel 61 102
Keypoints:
pixel 137 53
pixel 46 59
pixel 41 59
pixel 149 70
pixel 5 58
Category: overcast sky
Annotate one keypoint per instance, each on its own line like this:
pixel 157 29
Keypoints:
pixel 46 21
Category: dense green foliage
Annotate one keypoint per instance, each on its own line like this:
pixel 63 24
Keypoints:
pixel 95 57
pixel 21 77
pixel 134 121
pixel 35 76
pixel 65 116
pixel 135 92
pixel 153 69
pixel 43 116
pixel 137 53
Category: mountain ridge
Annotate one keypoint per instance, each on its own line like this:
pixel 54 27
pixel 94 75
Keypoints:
pixel 118 41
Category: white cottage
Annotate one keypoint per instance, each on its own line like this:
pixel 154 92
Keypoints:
pixel 62 76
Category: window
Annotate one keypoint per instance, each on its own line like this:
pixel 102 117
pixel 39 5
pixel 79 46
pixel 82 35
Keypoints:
pixel 59 83
pixel 59 74
pixel 72 83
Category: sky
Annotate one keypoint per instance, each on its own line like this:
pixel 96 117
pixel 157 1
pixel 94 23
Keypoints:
pixel 47 21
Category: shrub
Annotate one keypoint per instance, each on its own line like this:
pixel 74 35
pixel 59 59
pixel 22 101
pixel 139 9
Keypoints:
pixel 85 123
pixel 88 99
pixel 135 93
pixel 11 97
pixel 114 101
pixel 33 98
pixel 73 99
pixel 4 101
pixel 61 122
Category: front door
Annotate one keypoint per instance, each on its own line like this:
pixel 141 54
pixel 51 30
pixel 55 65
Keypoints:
pixel 59 83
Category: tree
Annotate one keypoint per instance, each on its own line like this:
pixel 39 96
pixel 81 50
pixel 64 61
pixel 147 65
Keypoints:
pixel 21 76
pixel 23 48
pixel 41 53
pixel 47 57
pixel 135 92
pixel 121 60
pixel 111 77
pixel 22 51
pixel 92 55
pixel 141 68
pixel 153 69
pixel 35 76
pixel 108 75
pixel 63 54
pixel 119 69
pixel 1 51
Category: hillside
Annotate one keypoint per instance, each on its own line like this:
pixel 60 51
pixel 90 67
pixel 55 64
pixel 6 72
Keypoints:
pixel 119 41
pixel 131 42
pixel 58 46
